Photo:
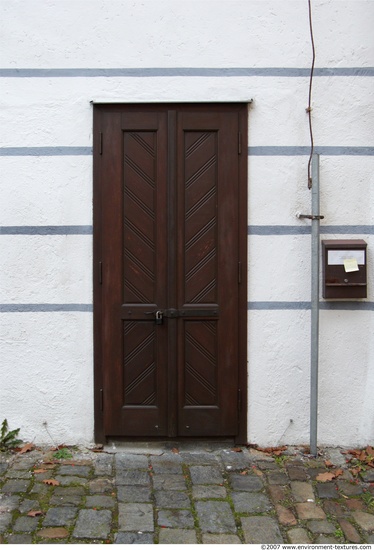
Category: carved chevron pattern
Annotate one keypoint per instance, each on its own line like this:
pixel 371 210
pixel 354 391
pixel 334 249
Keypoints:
pixel 200 363
pixel 139 225
pixel 200 245
pixel 140 368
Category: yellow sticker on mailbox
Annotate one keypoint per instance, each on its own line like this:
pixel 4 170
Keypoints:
pixel 351 264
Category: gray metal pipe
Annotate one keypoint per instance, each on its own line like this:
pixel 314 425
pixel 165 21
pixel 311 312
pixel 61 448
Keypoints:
pixel 315 261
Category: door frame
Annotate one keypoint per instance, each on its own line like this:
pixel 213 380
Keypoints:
pixel 98 144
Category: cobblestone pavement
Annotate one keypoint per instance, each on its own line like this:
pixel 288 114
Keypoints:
pixel 202 493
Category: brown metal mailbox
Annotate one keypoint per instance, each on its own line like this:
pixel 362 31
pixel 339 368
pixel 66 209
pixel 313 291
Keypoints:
pixel 344 269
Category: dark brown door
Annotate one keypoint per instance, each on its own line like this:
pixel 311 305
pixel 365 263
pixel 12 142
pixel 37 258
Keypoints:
pixel 167 231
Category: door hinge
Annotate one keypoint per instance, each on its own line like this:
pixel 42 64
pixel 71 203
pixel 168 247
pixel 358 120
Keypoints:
pixel 101 399
pixel 239 143
pixel 100 143
pixel 100 273
pixel 239 272
pixel 239 400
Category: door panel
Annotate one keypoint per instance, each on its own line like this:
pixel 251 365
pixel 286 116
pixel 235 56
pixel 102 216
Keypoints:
pixel 169 242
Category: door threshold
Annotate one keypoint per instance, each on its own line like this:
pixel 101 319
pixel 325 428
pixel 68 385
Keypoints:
pixel 159 446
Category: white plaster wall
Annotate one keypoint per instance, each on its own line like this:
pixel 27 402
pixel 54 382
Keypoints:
pixel 46 376
pixel 47 357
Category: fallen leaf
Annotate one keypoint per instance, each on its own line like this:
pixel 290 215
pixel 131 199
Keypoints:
pixel 175 451
pixel 277 451
pixel 327 476
pixel 26 448
pixel 40 471
pixel 51 482
pixel 35 513
pixel 237 450
pixel 258 472
pixel 328 464
pixel 244 473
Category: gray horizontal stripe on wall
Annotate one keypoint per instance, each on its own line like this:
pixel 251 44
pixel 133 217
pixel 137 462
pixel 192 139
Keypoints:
pixel 295 151
pixel 262 230
pixel 306 229
pixel 185 71
pixel 45 308
pixel 44 151
pixel 46 230
pixel 338 305
pixel 257 151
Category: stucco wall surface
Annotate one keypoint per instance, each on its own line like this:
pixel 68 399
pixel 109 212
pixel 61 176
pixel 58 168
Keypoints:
pixel 56 58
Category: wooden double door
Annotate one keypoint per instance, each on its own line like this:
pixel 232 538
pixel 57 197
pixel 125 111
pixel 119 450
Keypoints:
pixel 169 270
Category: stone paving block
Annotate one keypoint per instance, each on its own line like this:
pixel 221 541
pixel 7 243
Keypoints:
pixel 167 464
pixel 172 499
pixel 16 486
pixel 70 470
pixel 57 517
pixel 327 490
pixel 100 501
pixel 182 519
pixel 126 493
pixel 28 505
pixel 172 482
pixel 370 539
pixel 334 509
pixel 355 504
pixel 208 491
pixel 65 500
pixel 204 475
pixel 19 539
pixel 349 531
pixel 367 476
pixel 74 491
pixel 93 524
pixel 364 520
pixel 8 503
pixel 309 510
pixel 70 480
pixel 198 458
pixel 177 536
pixel 135 517
pixel 18 474
pixel 250 483
pixel 210 538
pixel 323 539
pixel 314 472
pixel 298 536
pixel 215 517
pixel 302 491
pixel 236 461
pixel 297 474
pixel 251 503
pixel 103 465
pixel 350 489
pixel 285 515
pixel 5 521
pixel 323 527
pixel 277 493
pixel 3 467
pixel 133 538
pixel 25 524
pixel 130 462
pixel 133 477
pixel 277 478
pixel 261 530
pixel 100 485
pixel 53 533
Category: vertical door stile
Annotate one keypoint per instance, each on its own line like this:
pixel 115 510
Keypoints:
pixel 171 221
